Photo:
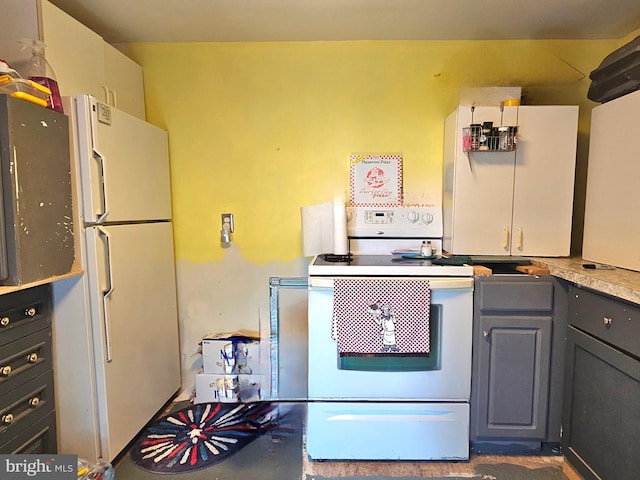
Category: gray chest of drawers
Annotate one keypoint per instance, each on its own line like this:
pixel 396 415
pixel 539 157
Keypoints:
pixel 27 411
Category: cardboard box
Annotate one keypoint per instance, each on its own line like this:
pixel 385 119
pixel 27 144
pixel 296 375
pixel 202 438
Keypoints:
pixel 490 96
pixel 228 388
pixel 375 179
pixel 230 353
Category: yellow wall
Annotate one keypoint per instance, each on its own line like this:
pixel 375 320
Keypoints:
pixel 261 129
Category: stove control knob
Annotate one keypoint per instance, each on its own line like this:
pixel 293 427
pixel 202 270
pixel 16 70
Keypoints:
pixel 413 216
pixel 428 218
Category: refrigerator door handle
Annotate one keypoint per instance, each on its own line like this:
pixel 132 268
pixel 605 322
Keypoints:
pixel 106 292
pixel 102 214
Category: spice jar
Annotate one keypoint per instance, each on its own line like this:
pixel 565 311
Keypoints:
pixel 476 133
pixel 503 138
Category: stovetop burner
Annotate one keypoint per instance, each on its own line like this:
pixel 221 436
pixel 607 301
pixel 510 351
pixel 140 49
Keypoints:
pixel 333 257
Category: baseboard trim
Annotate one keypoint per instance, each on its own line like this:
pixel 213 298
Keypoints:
pixel 570 472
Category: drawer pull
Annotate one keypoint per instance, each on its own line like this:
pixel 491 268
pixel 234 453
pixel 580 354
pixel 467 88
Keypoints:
pixel 7 419
pixel 5 371
pixel 32 357
pixel 34 402
pixel 30 312
pixel 4 321
pixel 608 321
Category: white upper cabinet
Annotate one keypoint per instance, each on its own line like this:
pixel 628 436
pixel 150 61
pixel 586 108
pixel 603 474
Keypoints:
pixel 73 51
pixel 516 202
pixel 82 61
pixel 123 84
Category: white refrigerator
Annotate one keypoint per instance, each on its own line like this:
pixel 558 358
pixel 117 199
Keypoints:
pixel 116 345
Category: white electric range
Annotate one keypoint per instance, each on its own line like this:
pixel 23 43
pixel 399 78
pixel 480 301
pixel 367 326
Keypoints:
pixel 387 405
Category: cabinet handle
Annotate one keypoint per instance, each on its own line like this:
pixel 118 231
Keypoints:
pixel 519 239
pixel 4 321
pixel 30 312
pixel 109 96
pixel 505 239
pixel 5 371
pixel 113 98
pixel 7 419
pixel 608 321
pixel 34 402
pixel 486 333
pixel 32 357
pixel 105 93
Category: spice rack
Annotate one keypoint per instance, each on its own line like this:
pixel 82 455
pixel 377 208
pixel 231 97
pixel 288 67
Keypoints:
pixel 487 138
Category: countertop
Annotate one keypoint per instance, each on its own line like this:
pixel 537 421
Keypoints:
pixel 619 282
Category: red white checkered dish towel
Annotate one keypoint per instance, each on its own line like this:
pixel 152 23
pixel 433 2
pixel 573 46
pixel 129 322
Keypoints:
pixel 381 316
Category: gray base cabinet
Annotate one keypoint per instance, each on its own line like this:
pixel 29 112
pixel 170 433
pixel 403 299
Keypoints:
pixel 519 327
pixel 27 413
pixel 601 413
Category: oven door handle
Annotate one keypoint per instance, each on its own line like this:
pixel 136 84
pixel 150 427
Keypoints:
pixel 440 283
pixel 395 416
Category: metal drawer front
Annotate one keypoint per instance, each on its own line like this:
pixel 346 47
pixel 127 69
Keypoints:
pixel 24 359
pixel 25 404
pixel 614 321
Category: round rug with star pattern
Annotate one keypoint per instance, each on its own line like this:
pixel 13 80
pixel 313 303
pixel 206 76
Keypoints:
pixel 200 435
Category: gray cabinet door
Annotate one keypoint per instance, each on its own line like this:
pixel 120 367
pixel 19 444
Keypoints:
pixel 601 413
pixel 601 421
pixel 514 357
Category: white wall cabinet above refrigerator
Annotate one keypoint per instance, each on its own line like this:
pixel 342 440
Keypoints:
pixel 517 202
pixel 82 61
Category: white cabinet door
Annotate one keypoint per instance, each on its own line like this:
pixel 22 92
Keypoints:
pixel 544 180
pixel 123 80
pixel 73 51
pixel 18 20
pixel 478 188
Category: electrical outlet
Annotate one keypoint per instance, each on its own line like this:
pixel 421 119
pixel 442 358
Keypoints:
pixel 228 218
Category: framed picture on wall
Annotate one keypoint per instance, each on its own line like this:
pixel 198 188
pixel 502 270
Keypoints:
pixel 375 179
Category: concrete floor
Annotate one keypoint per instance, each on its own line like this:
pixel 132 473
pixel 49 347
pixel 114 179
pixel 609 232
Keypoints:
pixel 279 455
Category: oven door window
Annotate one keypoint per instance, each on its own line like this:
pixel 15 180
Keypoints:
pixel 402 362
